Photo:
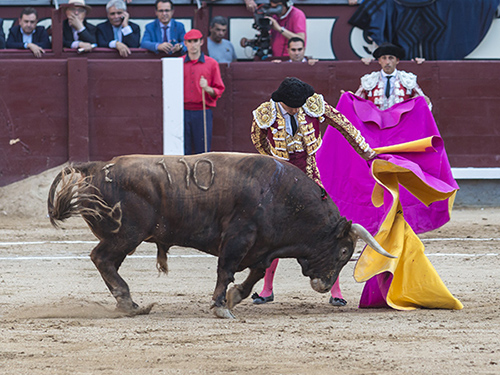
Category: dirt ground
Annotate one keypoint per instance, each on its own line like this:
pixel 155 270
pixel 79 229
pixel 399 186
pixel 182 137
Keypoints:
pixel 57 316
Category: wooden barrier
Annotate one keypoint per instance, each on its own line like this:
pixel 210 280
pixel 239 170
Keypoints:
pixel 83 108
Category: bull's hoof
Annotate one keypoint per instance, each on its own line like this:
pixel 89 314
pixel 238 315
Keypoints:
pixel 233 297
pixel 136 310
pixel 145 310
pixel 223 312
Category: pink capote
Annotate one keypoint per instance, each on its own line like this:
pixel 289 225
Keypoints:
pixel 346 176
pixel 348 180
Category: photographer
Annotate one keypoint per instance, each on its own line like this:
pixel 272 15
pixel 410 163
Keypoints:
pixel 289 24
pixel 277 22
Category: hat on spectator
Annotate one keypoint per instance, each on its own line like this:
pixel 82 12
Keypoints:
pixel 78 3
pixel 293 92
pixel 193 34
pixel 389 49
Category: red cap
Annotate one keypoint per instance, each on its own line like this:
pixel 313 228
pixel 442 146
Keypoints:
pixel 193 34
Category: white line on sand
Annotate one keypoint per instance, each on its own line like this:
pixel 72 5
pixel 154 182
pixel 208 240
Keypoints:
pixel 20 243
pixel 69 257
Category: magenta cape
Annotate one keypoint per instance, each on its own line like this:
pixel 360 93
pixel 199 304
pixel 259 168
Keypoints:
pixel 346 176
pixel 422 167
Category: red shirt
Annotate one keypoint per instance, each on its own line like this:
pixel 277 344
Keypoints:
pixel 294 21
pixel 193 70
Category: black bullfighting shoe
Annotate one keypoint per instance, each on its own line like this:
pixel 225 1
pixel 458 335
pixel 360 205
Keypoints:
pixel 336 301
pixel 258 300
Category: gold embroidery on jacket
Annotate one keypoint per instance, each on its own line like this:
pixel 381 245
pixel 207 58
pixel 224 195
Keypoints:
pixel 312 170
pixel 315 105
pixel 265 114
pixel 280 149
pixel 344 125
pixel 259 139
pixel 304 140
pixel 311 142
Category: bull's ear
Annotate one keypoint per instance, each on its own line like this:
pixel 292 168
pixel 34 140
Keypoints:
pixel 343 228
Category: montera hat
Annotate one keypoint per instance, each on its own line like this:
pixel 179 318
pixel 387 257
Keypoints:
pixel 293 92
pixel 193 34
pixel 389 49
pixel 78 3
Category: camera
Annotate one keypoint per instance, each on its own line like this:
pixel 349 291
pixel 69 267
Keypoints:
pixel 261 44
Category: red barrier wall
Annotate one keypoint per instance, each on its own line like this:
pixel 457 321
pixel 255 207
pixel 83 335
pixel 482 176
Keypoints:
pixel 96 107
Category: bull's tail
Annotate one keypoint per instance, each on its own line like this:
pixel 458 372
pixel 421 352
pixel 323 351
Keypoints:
pixel 72 194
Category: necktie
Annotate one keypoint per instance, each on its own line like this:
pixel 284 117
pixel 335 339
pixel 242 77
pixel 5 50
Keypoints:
pixel 294 124
pixel 388 87
pixel 115 33
pixel 165 38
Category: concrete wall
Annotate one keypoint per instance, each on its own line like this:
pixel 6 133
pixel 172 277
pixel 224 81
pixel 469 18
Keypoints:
pixel 479 193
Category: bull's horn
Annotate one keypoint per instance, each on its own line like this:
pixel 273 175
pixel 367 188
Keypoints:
pixel 362 233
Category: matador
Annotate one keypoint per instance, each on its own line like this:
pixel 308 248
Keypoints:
pixel 288 128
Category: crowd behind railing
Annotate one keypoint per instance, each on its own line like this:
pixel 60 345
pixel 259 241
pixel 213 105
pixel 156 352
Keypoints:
pixel 280 22
pixel 440 33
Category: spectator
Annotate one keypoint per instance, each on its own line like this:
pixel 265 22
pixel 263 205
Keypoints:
pixel 77 32
pixel 2 35
pixel 291 23
pixel 288 128
pixel 296 51
pixel 164 34
pixel 201 77
pixel 220 49
pixel 118 32
pixel 389 86
pixel 27 35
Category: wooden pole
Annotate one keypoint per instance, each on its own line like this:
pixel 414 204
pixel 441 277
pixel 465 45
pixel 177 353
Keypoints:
pixel 204 118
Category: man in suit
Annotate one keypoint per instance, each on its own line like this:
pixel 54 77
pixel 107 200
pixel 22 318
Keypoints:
pixel 2 35
pixel 77 32
pixel 27 35
pixel 118 32
pixel 164 34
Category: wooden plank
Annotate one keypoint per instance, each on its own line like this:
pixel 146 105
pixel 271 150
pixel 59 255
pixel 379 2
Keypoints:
pixel 469 69
pixel 479 88
pixel 223 124
pixel 131 107
pixel 112 136
pixel 478 160
pixel 78 110
pixel 467 107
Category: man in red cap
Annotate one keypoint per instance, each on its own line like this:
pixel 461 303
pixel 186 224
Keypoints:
pixel 202 87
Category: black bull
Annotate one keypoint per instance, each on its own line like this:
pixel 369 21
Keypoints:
pixel 246 209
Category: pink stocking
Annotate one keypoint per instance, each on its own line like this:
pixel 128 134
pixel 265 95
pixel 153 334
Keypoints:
pixel 336 293
pixel 268 279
